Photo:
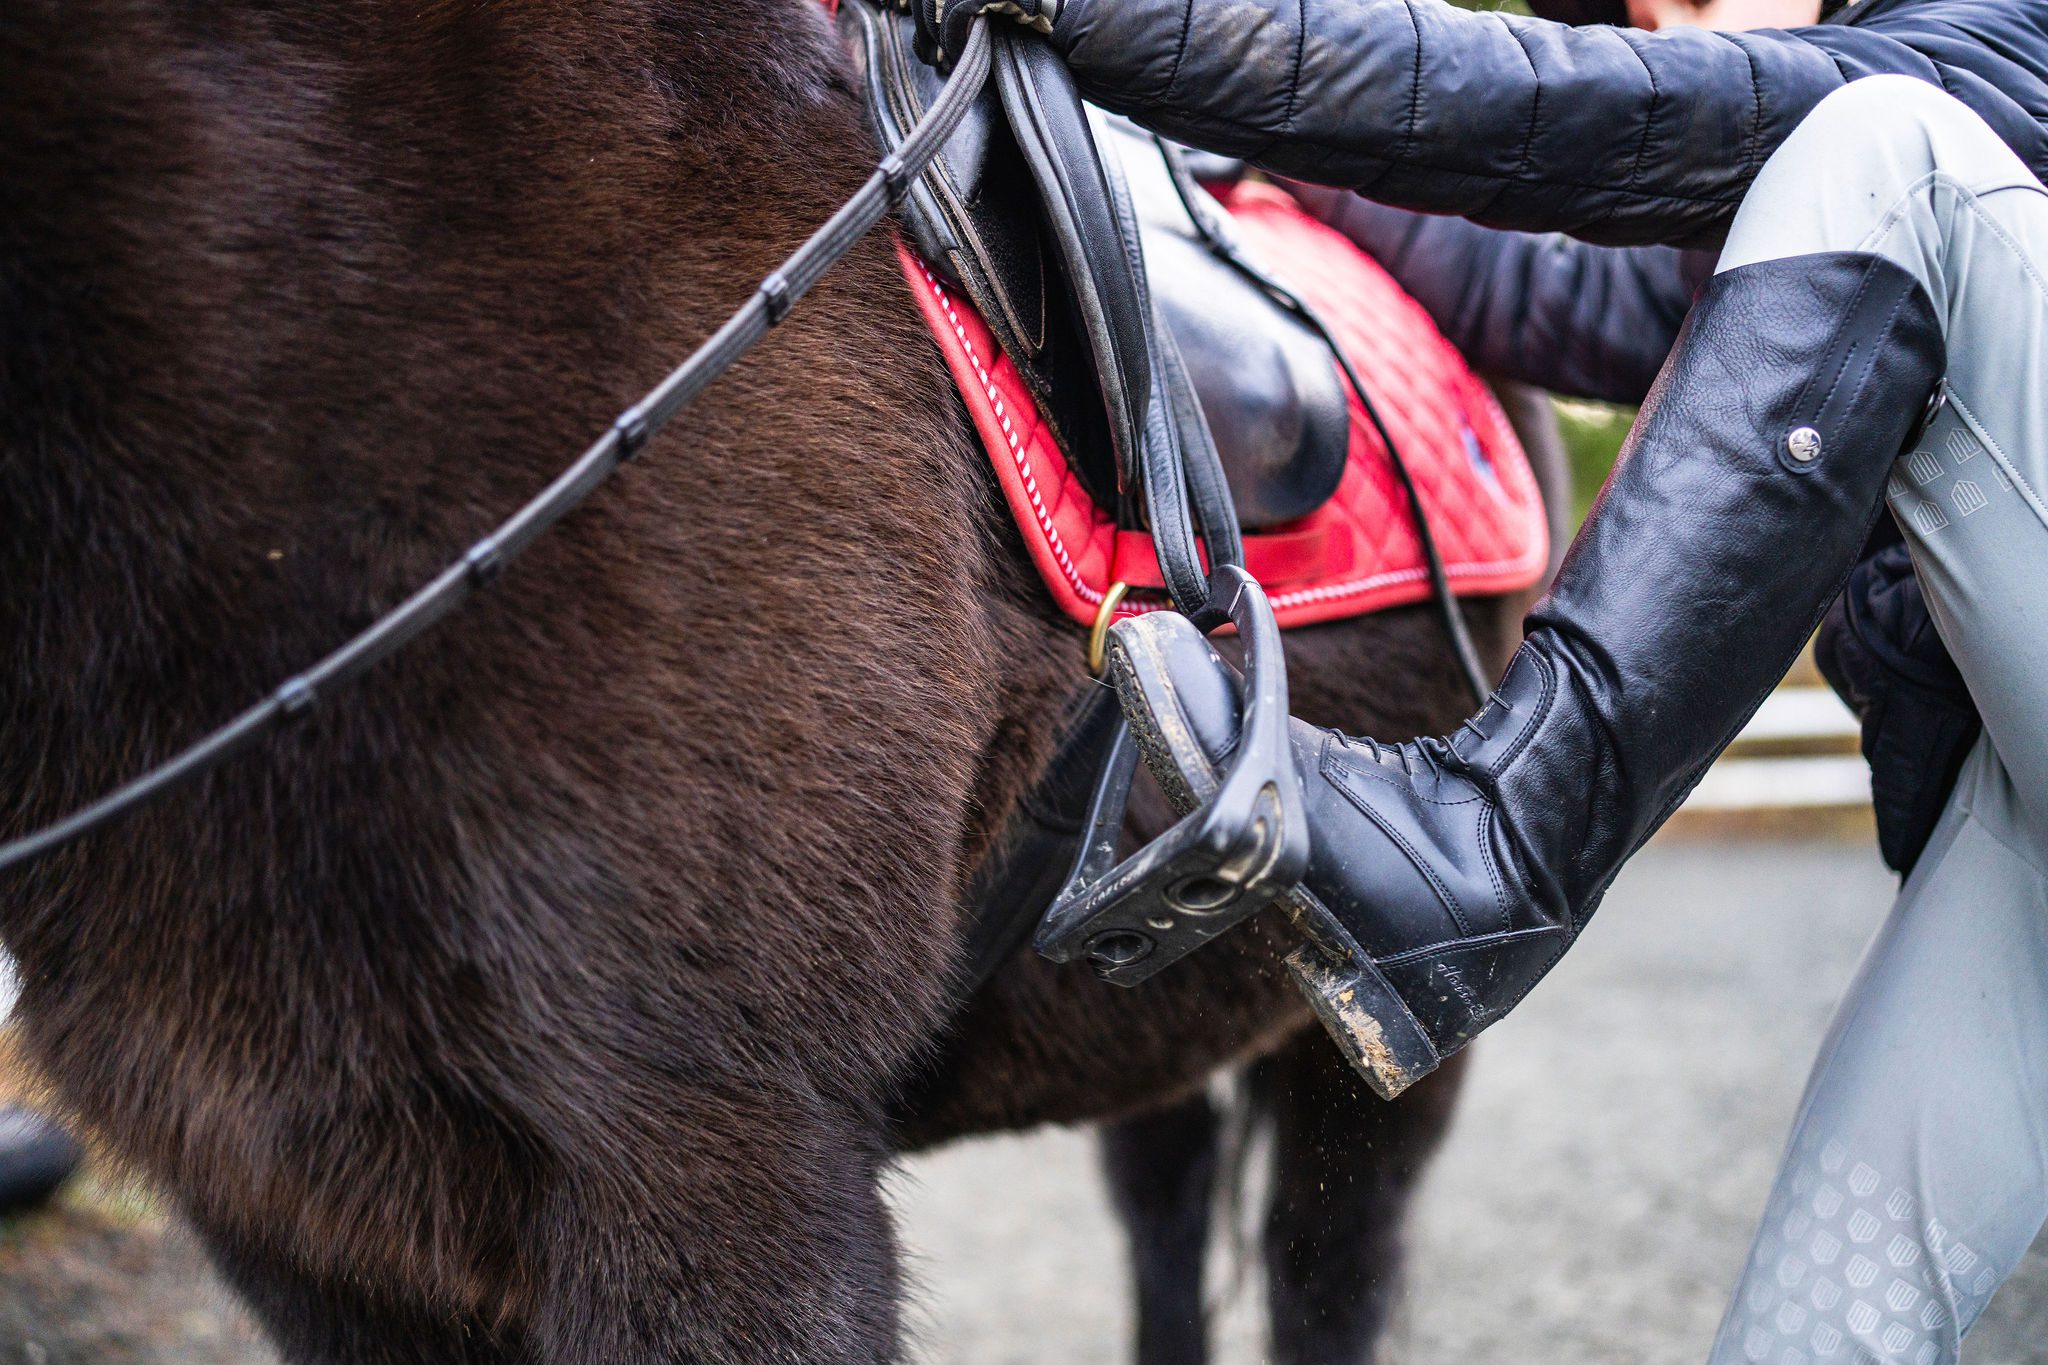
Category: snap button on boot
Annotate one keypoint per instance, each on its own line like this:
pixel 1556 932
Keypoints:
pixel 1936 402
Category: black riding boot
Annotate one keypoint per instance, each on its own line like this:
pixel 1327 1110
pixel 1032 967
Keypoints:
pixel 1463 867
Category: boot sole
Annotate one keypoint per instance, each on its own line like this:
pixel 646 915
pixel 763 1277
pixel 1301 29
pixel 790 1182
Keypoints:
pixel 1137 668
pixel 1349 996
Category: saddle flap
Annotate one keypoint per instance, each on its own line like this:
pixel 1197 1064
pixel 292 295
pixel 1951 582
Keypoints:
pixel 975 220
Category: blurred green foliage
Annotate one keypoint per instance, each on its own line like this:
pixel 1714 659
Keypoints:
pixel 1592 434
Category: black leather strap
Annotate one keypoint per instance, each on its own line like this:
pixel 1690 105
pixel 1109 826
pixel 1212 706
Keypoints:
pixel 1026 866
pixel 1208 486
pixel 1162 442
pixel 1166 459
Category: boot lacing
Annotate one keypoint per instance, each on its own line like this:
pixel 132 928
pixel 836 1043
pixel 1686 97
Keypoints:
pixel 1439 756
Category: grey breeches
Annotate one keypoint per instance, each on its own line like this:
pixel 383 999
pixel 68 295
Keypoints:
pixel 1917 1172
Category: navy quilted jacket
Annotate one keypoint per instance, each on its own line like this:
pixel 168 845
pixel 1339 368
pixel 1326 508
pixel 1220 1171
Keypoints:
pixel 1610 134
pixel 1589 321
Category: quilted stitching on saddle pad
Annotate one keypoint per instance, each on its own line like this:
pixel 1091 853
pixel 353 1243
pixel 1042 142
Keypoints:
pixel 1356 554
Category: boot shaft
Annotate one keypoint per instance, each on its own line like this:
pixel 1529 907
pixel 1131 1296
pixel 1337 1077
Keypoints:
pixel 1742 496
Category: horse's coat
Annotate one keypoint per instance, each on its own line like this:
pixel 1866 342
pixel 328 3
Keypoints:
pixel 544 997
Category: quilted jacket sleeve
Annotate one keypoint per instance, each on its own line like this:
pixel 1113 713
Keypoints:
pixel 1609 134
pixel 1588 321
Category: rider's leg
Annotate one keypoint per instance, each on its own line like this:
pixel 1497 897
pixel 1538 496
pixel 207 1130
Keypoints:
pixel 1972 495
pixel 1917 1174
pixel 1464 867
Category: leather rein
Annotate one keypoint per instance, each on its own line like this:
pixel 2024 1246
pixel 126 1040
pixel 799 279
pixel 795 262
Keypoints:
pixel 481 564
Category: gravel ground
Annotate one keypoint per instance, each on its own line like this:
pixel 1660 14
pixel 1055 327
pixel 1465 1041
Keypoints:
pixel 1597 1194
pixel 100 1280
pixel 1592 1205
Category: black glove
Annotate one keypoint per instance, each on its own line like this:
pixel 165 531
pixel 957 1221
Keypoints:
pixel 1878 649
pixel 942 24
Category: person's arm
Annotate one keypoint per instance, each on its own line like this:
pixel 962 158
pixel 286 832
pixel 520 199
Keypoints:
pixel 1587 321
pixel 1608 134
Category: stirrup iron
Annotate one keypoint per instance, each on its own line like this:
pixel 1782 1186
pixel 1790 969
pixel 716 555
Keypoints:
pixel 1236 853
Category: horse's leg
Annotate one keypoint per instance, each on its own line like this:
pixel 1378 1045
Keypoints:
pixel 333 1322
pixel 1345 1165
pixel 753 1230
pixel 663 1214
pixel 1161 1170
pixel 755 1233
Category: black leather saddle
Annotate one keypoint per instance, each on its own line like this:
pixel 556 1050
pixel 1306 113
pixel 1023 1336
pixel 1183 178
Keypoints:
pixel 1064 227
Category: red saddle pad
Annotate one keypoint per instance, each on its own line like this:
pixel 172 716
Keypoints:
pixel 1358 552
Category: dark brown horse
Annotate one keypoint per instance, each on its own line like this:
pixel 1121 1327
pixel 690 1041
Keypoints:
pixel 544 999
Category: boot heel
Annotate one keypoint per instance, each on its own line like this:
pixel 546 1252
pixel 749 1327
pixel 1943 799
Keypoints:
pixel 1361 1012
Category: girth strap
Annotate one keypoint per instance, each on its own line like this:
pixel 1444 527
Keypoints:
pixel 1028 863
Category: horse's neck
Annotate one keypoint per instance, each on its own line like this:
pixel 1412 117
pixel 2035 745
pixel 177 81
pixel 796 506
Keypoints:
pixel 296 300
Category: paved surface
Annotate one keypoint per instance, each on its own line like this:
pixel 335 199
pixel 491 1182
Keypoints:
pixel 1596 1196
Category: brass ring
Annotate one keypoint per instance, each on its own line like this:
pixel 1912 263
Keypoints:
pixel 1098 634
